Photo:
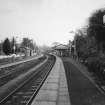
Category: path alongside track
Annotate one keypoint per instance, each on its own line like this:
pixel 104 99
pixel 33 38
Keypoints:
pixel 82 89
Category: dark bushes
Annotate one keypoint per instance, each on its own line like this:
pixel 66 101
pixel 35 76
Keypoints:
pixel 96 65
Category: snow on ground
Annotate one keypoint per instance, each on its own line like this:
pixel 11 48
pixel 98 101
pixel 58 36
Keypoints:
pixel 9 56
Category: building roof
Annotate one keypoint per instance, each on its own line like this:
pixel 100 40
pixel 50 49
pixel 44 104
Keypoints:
pixel 26 48
pixel 60 46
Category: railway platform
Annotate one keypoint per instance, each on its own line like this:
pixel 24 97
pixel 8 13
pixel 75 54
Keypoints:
pixel 54 91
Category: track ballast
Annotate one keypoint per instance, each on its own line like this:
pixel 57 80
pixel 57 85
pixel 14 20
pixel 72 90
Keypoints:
pixel 24 94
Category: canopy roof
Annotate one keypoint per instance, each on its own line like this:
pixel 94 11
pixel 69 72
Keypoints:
pixel 60 46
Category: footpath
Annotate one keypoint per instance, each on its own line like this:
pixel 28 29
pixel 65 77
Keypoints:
pixel 82 88
pixel 54 90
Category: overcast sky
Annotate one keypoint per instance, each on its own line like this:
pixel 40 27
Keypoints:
pixel 45 21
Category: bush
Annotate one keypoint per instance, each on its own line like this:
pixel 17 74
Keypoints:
pixel 96 65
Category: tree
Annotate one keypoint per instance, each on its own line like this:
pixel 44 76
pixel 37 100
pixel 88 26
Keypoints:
pixel 80 44
pixel 96 28
pixel 28 43
pixel 25 42
pixel 6 46
pixel 0 48
pixel 85 45
pixel 13 45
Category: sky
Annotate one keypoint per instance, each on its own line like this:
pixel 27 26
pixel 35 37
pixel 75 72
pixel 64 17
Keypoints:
pixel 44 21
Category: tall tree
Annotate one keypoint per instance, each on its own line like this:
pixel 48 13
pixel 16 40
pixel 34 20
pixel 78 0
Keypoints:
pixel 96 28
pixel 28 43
pixel 13 45
pixel 0 48
pixel 85 45
pixel 6 46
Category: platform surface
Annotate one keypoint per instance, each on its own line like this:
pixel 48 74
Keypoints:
pixel 54 90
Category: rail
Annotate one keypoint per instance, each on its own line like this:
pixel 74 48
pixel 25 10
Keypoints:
pixel 26 92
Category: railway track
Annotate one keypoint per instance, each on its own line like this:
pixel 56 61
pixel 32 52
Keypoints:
pixel 12 72
pixel 24 94
pixel 4 69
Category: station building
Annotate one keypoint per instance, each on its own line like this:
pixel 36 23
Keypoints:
pixel 27 51
pixel 61 50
